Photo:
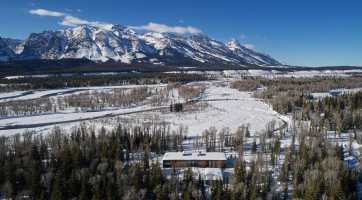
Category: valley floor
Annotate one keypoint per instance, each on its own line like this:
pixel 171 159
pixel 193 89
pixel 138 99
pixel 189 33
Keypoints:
pixel 226 108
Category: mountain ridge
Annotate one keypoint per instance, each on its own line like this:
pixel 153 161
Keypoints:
pixel 125 45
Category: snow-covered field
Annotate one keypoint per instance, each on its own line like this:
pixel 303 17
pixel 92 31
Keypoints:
pixel 58 117
pixel 226 108
pixel 29 95
pixel 10 94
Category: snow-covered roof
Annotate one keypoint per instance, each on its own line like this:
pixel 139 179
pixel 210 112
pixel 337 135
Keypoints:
pixel 194 156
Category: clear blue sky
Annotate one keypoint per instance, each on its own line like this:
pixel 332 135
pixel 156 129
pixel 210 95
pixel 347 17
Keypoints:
pixel 300 32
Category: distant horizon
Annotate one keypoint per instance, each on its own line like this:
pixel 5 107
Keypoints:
pixel 304 33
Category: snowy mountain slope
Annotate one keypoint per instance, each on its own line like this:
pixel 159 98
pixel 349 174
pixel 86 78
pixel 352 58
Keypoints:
pixel 250 55
pixel 13 44
pixel 5 51
pixel 125 45
pixel 45 45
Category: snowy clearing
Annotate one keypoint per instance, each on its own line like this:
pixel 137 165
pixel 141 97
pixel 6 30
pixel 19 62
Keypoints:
pixel 226 108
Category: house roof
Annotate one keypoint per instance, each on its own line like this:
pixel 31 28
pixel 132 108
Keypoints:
pixel 188 156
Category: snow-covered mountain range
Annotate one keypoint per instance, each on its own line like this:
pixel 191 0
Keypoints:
pixel 126 45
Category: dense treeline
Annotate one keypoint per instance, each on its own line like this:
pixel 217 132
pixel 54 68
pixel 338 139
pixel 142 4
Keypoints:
pixel 318 170
pixel 98 100
pixel 305 85
pixel 86 164
pixel 311 169
pixel 122 164
pixel 27 108
pixel 339 113
pixel 190 92
pixel 33 83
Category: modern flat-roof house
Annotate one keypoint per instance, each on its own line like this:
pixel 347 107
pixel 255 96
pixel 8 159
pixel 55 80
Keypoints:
pixel 194 159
